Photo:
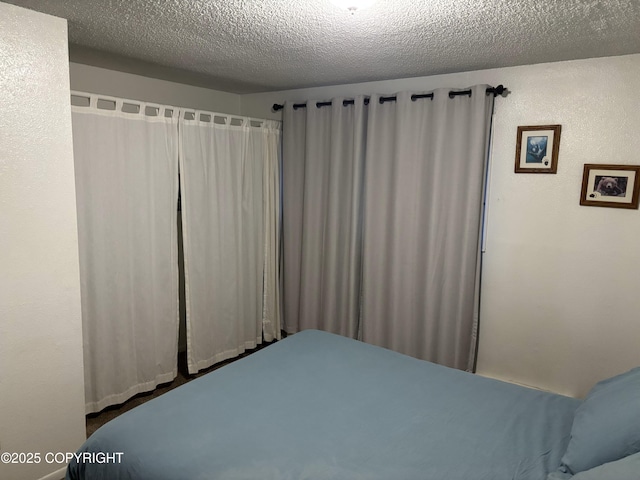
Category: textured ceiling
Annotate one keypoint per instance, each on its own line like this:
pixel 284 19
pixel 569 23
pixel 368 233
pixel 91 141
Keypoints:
pixel 247 46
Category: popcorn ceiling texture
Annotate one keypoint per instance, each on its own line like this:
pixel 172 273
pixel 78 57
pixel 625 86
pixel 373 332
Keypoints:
pixel 245 46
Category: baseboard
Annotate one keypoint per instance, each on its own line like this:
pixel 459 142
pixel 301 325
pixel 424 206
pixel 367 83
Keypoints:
pixel 57 475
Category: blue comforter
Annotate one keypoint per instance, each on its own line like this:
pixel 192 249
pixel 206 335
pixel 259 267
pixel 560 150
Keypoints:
pixel 320 406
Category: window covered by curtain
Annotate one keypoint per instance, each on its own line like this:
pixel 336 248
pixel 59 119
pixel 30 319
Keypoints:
pixel 381 215
pixel 230 203
pixel 126 168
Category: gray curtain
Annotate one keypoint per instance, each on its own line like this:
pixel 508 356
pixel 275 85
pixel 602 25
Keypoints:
pixel 322 202
pixel 382 218
pixel 424 184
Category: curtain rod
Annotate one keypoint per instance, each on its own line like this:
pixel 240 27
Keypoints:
pixel 182 110
pixel 499 90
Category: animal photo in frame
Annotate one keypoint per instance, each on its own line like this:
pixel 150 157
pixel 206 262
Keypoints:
pixel 615 186
pixel 537 149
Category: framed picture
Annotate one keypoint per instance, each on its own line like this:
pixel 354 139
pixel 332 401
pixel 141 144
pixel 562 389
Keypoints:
pixel 537 149
pixel 616 186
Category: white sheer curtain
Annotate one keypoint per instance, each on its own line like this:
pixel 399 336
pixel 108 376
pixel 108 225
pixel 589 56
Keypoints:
pixel 230 202
pixel 272 297
pixel 323 164
pixel 425 172
pixel 381 220
pixel 126 181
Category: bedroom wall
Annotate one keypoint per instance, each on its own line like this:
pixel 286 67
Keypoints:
pixel 41 374
pixel 560 282
pixel 90 79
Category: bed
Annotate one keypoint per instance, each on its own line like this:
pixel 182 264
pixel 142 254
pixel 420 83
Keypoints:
pixel 321 406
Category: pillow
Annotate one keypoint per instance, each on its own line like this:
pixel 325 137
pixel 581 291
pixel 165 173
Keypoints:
pixel 606 426
pixel 627 468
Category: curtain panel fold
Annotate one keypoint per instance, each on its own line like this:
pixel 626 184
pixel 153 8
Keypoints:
pixel 381 221
pixel 126 182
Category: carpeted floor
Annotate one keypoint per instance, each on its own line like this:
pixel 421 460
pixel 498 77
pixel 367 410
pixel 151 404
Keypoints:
pixel 96 420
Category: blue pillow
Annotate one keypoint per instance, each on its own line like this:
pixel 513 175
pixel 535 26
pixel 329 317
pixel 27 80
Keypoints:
pixel 606 426
pixel 627 468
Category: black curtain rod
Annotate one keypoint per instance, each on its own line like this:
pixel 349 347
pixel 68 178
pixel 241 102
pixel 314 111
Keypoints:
pixel 499 90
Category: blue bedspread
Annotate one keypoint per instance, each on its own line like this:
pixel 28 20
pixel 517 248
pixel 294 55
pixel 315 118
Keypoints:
pixel 320 406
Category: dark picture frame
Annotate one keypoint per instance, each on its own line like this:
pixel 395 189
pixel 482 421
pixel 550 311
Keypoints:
pixel 537 149
pixel 613 186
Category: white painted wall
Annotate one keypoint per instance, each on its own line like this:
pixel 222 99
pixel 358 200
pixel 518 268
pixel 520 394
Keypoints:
pixel 86 78
pixel 41 374
pixel 560 301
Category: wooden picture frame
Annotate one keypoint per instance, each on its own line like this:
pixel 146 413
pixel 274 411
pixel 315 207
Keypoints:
pixel 613 186
pixel 537 149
